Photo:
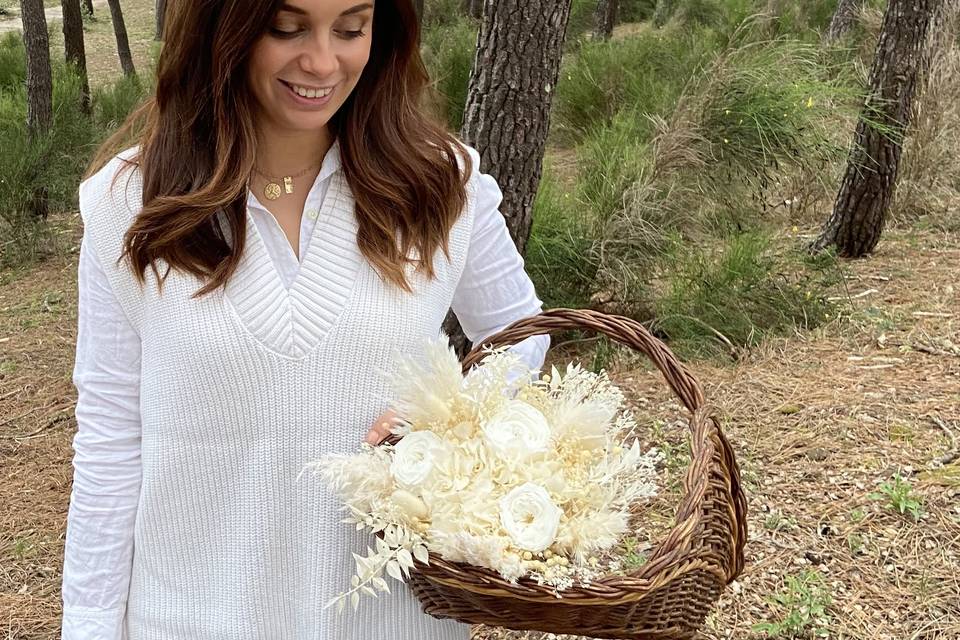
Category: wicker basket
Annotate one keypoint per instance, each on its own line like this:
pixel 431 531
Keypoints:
pixel 669 596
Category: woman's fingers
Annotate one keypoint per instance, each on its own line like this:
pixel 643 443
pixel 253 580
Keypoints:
pixel 381 427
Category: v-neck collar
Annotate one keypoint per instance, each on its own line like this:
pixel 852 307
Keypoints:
pixel 294 321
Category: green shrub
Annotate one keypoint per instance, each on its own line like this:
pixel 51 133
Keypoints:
pixel 637 10
pixel 803 605
pixel 701 12
pixel 581 22
pixel 663 11
pixel 558 255
pixel 719 300
pixel 801 20
pixel 53 161
pixel 448 53
pixel 645 73
pixel 766 107
pixel 442 13
pixel 611 160
pixel 13 65
pixel 114 102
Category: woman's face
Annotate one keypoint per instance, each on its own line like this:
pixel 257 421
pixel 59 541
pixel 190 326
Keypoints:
pixel 304 67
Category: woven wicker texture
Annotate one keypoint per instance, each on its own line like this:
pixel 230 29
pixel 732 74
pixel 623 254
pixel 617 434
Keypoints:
pixel 669 596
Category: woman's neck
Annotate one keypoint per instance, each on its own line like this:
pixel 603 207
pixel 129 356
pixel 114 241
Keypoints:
pixel 290 152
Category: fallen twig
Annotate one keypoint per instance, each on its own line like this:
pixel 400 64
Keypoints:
pixel 954 452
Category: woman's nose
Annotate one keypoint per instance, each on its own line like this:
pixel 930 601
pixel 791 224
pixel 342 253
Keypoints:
pixel 319 58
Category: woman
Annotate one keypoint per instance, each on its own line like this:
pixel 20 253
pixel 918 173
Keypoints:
pixel 282 186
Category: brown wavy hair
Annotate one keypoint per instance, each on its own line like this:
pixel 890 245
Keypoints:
pixel 196 137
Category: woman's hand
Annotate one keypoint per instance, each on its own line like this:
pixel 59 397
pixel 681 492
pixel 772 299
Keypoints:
pixel 381 427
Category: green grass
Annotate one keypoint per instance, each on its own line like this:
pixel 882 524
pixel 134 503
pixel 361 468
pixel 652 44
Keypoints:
pixel 448 52
pixel 720 299
pixel 802 607
pixel 897 495
pixel 558 251
pixel 644 73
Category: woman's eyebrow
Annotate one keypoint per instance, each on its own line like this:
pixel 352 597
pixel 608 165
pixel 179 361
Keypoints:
pixel 355 9
pixel 358 8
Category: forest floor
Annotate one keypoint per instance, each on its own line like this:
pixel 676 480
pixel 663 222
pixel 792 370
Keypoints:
pixel 819 421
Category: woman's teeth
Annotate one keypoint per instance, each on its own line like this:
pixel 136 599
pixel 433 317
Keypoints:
pixel 304 92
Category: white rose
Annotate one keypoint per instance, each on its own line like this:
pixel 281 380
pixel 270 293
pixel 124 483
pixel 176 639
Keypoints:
pixel 529 516
pixel 414 457
pixel 518 430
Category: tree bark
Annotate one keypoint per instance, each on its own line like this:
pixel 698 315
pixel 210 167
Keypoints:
pixel 73 46
pixel 36 41
pixel 867 189
pixel 841 21
pixel 123 44
pixel 161 10
pixel 605 18
pixel 508 105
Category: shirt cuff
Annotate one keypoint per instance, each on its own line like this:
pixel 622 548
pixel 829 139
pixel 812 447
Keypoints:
pixel 84 623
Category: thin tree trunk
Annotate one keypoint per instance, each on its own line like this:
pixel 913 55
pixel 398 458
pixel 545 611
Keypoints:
pixel 123 45
pixel 605 18
pixel 161 9
pixel 73 45
pixel 36 41
pixel 841 21
pixel 867 189
pixel 508 105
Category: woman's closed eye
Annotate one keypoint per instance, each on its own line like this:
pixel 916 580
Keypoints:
pixel 291 32
pixel 351 34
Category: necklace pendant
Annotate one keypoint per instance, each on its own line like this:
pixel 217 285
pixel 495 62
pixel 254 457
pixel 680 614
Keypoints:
pixel 272 191
pixel 288 184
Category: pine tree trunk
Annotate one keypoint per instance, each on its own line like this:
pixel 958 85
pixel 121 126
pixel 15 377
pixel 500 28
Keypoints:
pixel 88 7
pixel 161 8
pixel 123 45
pixel 39 82
pixel 841 21
pixel 605 18
pixel 36 41
pixel 73 45
pixel 508 105
pixel 866 191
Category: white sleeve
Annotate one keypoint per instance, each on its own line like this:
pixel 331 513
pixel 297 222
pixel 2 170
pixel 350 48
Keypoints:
pixel 106 481
pixel 494 289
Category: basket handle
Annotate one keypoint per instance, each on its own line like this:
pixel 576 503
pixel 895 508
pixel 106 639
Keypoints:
pixel 622 329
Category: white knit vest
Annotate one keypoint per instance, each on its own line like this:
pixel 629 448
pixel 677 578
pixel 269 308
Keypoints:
pixel 239 390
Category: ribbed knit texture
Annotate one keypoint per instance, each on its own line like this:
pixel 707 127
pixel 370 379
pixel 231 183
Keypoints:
pixel 239 390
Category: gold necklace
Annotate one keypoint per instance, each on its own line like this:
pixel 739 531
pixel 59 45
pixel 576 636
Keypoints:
pixel 273 190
